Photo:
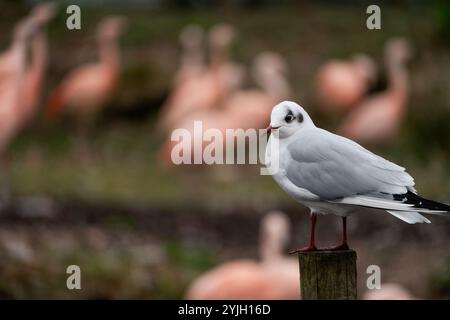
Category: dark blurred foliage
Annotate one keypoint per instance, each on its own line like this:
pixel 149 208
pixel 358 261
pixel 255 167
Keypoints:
pixel 442 18
pixel 441 279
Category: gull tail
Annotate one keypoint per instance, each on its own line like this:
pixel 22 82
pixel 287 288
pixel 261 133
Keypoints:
pixel 409 216
pixel 407 207
pixel 421 204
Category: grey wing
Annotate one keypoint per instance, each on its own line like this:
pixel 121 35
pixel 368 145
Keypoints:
pixel 332 167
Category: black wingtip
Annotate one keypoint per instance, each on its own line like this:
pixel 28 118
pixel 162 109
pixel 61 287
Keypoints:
pixel 421 203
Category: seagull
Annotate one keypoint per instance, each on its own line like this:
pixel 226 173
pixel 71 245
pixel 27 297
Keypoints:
pixel 331 174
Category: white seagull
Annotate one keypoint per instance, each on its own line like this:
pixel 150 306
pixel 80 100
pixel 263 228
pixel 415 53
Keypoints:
pixel 331 174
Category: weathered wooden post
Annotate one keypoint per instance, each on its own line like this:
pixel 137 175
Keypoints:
pixel 328 275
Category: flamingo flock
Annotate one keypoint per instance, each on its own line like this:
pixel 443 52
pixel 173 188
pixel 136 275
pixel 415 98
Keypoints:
pixel 24 65
pixel 201 86
pixel 213 93
pixel 386 109
pixel 343 87
pixel 207 87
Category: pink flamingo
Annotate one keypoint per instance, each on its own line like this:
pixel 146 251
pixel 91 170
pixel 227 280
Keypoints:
pixel 86 90
pixel 275 277
pixel 207 89
pixel 35 73
pixel 339 85
pixel 377 119
pixel 12 75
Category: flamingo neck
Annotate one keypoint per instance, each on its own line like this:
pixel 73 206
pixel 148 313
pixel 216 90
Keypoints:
pixel 219 56
pixel 109 54
pixel 192 57
pixel 398 80
pixel 18 49
pixel 39 57
pixel 275 85
pixel 218 60
pixel 271 249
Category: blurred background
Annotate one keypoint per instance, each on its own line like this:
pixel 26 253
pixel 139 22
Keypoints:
pixel 87 114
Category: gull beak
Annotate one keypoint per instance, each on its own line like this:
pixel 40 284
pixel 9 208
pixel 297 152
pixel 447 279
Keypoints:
pixel 270 128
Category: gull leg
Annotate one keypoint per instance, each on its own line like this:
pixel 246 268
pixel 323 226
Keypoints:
pixel 343 245
pixel 312 241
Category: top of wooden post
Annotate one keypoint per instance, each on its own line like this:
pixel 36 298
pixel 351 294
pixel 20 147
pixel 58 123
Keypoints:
pixel 328 275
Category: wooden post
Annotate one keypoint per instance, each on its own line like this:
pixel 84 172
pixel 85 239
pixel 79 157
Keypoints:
pixel 328 275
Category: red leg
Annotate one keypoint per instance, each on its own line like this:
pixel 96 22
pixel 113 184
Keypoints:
pixel 344 231
pixel 312 241
pixel 343 245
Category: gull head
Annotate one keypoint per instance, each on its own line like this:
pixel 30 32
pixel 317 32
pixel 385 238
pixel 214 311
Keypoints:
pixel 287 118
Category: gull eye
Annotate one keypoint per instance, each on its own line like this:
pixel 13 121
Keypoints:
pixel 289 117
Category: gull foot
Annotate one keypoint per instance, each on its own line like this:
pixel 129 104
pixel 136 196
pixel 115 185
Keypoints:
pixel 305 249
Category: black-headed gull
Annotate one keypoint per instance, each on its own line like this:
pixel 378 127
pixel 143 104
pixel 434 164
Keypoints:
pixel 331 174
